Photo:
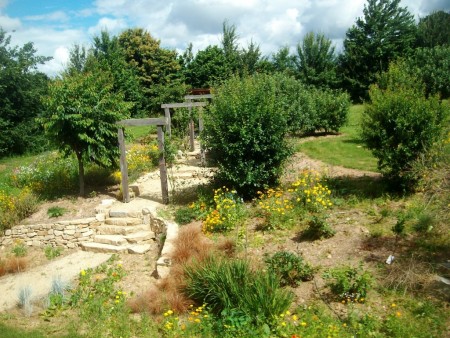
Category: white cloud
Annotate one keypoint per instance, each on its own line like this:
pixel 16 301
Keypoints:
pixel 54 16
pixel 113 26
pixel 9 24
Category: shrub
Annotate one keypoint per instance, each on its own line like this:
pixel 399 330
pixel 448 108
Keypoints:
pixel 401 124
pixel 233 285
pixel 348 283
pixel 56 211
pixel 318 228
pixel 245 131
pixel 14 208
pixel 185 215
pixel 290 268
pixel 19 249
pixel 52 252
pixel 277 208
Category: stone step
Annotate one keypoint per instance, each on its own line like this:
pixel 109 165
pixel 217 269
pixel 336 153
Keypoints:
pixel 139 248
pixel 124 213
pixel 101 247
pixel 139 237
pixel 117 240
pixel 120 230
pixel 123 221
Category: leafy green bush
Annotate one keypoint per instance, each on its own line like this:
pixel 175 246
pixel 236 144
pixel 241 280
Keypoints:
pixel 349 283
pixel 318 227
pixel 290 268
pixel 232 285
pixel 401 124
pixel 19 249
pixel 52 252
pixel 185 215
pixel 56 211
pixel 245 132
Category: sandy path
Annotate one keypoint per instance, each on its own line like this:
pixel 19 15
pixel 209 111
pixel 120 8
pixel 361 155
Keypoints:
pixel 40 278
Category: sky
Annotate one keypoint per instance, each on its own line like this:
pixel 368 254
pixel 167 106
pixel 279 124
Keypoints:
pixel 54 26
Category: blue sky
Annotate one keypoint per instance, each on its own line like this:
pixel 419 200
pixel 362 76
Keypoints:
pixel 54 26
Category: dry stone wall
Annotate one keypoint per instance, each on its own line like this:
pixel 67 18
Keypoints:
pixel 67 234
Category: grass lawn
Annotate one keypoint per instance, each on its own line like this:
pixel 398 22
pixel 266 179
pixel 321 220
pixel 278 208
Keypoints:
pixel 346 150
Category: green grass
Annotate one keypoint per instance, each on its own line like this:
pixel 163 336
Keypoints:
pixel 7 166
pixel 346 150
pixel 135 133
pixel 9 332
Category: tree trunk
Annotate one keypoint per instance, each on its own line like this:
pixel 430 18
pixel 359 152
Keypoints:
pixel 80 173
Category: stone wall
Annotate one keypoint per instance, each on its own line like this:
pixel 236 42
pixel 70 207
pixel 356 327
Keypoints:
pixel 67 234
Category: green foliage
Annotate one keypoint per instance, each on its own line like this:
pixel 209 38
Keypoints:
pixel 310 109
pixel 52 252
pixel 316 61
pixel 56 211
pixel 233 285
pixel 401 124
pixel 81 114
pixel 49 176
pixel 384 33
pixel 16 206
pixel 21 86
pixel 291 269
pixel 434 30
pixel 20 249
pixel 349 284
pixel 157 68
pixel 185 215
pixel 432 67
pixel 318 227
pixel 245 131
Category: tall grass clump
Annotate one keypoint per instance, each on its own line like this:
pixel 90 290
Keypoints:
pixel 232 285
pixel 245 132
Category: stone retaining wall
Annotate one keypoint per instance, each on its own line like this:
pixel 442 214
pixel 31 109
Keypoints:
pixel 67 234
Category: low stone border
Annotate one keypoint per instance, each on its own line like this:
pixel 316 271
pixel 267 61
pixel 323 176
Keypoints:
pixel 67 234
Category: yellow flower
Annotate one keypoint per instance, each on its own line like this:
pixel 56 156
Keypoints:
pixel 294 318
pixel 197 320
pixel 283 324
pixel 303 324
pixel 83 273
pixel 393 305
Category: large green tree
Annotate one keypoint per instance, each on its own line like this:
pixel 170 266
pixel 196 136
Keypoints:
pixel 208 67
pixel 434 30
pixel 385 32
pixel 21 86
pixel 158 69
pixel 316 61
pixel 81 111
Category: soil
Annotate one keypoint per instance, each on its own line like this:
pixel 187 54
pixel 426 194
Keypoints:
pixel 348 246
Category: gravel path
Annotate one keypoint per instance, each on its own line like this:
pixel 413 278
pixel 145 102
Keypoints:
pixel 39 279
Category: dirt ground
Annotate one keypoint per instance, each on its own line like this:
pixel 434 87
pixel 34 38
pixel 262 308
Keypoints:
pixel 347 246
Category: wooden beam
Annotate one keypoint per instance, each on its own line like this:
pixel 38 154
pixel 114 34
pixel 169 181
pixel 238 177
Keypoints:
pixel 184 105
pixel 198 97
pixel 162 167
pixel 143 122
pixel 123 167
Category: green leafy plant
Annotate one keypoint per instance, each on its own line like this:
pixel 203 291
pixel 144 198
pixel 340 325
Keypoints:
pixel 349 284
pixel 290 268
pixel 52 252
pixel 19 249
pixel 245 132
pixel 401 124
pixel 318 227
pixel 185 215
pixel 56 211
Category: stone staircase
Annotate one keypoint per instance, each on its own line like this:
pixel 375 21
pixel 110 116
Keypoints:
pixel 123 230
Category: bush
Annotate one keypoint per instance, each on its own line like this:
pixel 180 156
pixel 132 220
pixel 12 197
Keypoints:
pixel 348 283
pixel 14 208
pixel 318 228
pixel 400 124
pixel 290 268
pixel 227 285
pixel 245 131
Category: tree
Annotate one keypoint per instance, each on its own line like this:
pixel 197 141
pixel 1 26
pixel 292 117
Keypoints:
pixel 250 58
pixel 283 61
pixel 208 67
pixel 21 86
pixel 434 30
pixel 385 33
pixel 107 50
pixel 230 48
pixel 316 61
pixel 81 111
pixel 158 69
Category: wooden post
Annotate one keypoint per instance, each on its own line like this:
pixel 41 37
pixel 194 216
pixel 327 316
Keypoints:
pixel 200 129
pixel 123 167
pixel 169 120
pixel 162 166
